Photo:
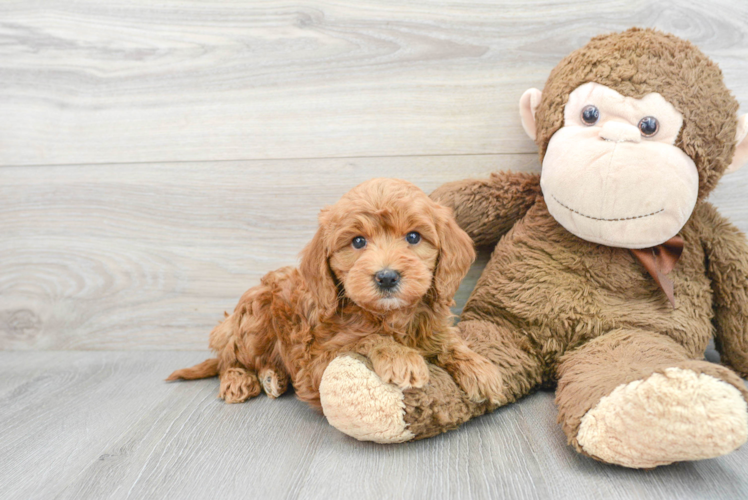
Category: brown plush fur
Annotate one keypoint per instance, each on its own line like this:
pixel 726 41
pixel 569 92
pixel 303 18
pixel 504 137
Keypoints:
pixel 552 308
pixel 298 320
pixel 638 62
pixel 546 292
pixel 619 357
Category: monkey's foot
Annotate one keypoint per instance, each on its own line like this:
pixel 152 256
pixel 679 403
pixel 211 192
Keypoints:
pixel 669 417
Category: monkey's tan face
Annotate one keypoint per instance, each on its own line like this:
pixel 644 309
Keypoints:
pixel 613 175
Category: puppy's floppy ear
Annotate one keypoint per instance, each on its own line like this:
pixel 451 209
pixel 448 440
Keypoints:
pixel 316 271
pixel 456 254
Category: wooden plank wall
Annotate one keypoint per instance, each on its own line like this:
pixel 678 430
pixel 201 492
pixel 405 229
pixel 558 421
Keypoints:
pixel 156 158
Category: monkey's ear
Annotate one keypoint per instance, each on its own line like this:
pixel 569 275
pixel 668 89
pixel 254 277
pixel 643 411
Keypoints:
pixel 741 150
pixel 528 104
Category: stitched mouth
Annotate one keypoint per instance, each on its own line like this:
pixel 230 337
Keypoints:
pixel 606 220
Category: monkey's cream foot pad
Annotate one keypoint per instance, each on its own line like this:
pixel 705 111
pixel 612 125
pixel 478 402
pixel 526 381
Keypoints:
pixel 676 416
pixel 358 403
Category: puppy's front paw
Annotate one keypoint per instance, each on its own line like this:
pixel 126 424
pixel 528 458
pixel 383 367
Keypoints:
pixel 481 380
pixel 406 369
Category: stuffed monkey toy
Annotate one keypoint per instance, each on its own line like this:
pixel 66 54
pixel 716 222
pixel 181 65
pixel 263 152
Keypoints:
pixel 610 272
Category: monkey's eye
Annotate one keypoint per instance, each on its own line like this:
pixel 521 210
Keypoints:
pixel 412 237
pixel 649 126
pixel 358 242
pixel 590 114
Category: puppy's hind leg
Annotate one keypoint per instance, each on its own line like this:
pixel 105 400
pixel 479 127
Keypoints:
pixel 238 385
pixel 244 342
pixel 238 379
pixel 273 374
pixel 274 382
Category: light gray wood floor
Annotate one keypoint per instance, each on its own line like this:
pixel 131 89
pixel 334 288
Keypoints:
pixel 157 158
pixel 103 425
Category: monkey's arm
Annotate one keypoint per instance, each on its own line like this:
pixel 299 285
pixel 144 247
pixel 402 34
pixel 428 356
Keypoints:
pixel 727 266
pixel 487 208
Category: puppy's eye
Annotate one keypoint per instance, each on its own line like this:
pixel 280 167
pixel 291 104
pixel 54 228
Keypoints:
pixel 649 126
pixel 590 115
pixel 358 242
pixel 412 237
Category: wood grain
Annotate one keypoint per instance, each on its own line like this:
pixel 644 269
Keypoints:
pixel 149 256
pixel 142 81
pixel 83 425
pixel 157 158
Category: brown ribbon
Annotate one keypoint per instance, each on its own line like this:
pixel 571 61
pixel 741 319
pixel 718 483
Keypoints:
pixel 659 261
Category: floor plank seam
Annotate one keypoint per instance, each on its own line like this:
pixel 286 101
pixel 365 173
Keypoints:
pixel 275 159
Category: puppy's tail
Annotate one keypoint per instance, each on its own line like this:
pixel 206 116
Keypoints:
pixel 208 368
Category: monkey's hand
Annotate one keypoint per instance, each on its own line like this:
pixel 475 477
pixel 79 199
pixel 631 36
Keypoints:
pixel 727 261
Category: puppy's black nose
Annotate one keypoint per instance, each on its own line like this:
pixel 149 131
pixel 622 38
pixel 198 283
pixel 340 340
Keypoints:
pixel 387 278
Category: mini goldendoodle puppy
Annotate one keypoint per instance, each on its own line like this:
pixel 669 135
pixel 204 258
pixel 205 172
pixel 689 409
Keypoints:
pixel 377 280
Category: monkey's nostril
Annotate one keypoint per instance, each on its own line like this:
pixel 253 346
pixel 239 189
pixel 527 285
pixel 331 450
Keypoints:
pixel 387 278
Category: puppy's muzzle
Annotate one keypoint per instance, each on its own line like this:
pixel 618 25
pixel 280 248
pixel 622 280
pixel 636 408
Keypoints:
pixel 387 279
